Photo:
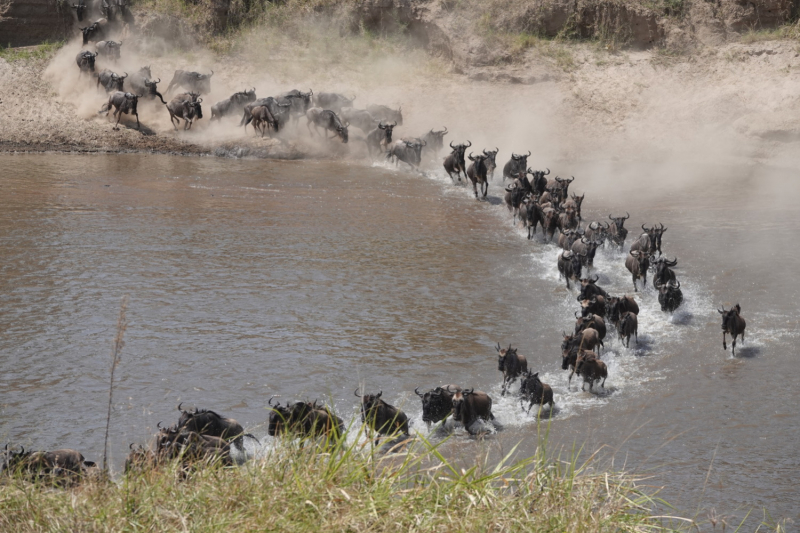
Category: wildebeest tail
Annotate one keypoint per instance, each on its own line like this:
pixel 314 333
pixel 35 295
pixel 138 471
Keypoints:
pixel 104 109
pixel 252 437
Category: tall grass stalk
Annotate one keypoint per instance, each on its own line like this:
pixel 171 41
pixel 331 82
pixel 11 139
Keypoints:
pixel 116 356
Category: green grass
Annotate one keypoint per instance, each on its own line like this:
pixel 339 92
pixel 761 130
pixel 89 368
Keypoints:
pixel 45 50
pixel 349 488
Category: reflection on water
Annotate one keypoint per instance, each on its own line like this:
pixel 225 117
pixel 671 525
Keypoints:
pixel 252 278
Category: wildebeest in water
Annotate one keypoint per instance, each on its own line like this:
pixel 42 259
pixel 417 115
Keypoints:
pixel 206 422
pixel 380 417
pixel 511 364
pixel 534 391
pixel 437 403
pixel 733 324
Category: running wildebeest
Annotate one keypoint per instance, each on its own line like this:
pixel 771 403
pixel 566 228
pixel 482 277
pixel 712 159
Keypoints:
pixel 539 182
pixel 591 369
pixel 262 119
pixel 435 140
pixel 437 403
pixel 140 83
pixel 187 107
pixel 628 325
pixel 278 110
pixel 360 119
pixel 469 406
pixel 407 151
pixel 233 104
pixel 670 296
pixel 567 238
pixel 122 103
pixel 596 322
pixel 514 198
pixel 94 32
pixel 380 417
pixel 560 186
pixel 386 114
pixel 588 340
pixel 732 324
pixel 650 240
pixel 80 9
pixel 191 81
pixel 533 390
pixel 379 139
pixel 511 364
pixel 304 419
pixel 587 250
pixel 111 81
pixel 191 447
pixel 663 272
pixel 596 306
pixel 454 163
pixel 515 165
pixel 575 203
pixel 596 232
pixel 329 121
pixel 109 49
pixel 617 230
pixel 617 306
pixel 491 162
pixel 85 60
pixel 55 465
pixel 476 172
pixel 206 422
pixel 533 216
pixel 569 266
pixel 300 103
pixel 550 225
pixel 590 289
pixel 333 101
pixel 637 264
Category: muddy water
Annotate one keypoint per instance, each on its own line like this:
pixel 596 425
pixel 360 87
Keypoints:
pixel 250 279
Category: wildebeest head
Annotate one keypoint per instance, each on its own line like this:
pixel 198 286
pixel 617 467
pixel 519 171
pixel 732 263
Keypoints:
pixel 152 86
pixel 642 258
pixel 729 316
pixel 521 160
pixel 479 160
pixel 80 9
pixel 387 131
pixel 459 150
pixel 619 222
pixel 491 163
pixel 198 109
pixel 131 101
pixel 436 139
pixel 655 236
pixel 369 401
pixel 86 60
pixel 341 131
pixel 282 418
pixel 589 288
pixel 436 403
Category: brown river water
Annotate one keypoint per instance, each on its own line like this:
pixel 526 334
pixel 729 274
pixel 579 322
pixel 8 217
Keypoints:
pixel 249 279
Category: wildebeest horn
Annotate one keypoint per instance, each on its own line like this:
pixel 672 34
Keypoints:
pixel 269 402
pixel 529 153
pixel 445 130
pixel 355 393
pixel 393 124
pixel 607 225
pixel 130 447
pixel 159 424
pixel 596 278
pixel 417 392
pixel 627 215
pixel 310 92
pixel 678 284
pixel 484 151
pixel 451 145
pixel 470 143
pixel 159 81
pixel 497 347
pixel 379 394
pixel 721 311
pixel 467 392
pixel 548 172
pixel 645 229
pixel 179 406
pixel 212 73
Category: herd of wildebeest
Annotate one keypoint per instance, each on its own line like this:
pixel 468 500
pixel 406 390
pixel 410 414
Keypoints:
pixel 204 435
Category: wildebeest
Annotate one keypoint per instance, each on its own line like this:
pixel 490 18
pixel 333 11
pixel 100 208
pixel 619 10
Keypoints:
pixel 587 250
pixel 732 324
pixel 670 296
pixel 233 104
pixel 80 9
pixel 435 140
pixel 191 81
pixel 533 216
pixel 575 202
pixel 140 83
pixel 538 182
pixel 279 111
pixel 386 114
pixel 550 225
pixel 617 306
pixel 628 325
pixel 85 60
pixel 574 345
pixel 590 289
pixel 569 266
pixel 491 162
pixel 262 119
pixel 515 165
pixel 514 198
pixel 94 32
pixel 300 103
pixel 109 49
pixel 511 364
pixel 591 369
pixel 187 107
pixel 191 447
pixel 650 240
pixel 304 419
pixel 122 103
pixel 533 390
pixel 637 264
pixel 476 172
pixel 380 417
pixel 407 151
pixel 437 403
pixel 596 322
pixel 617 230
pixel 206 422
pixel 568 219
pixel 56 465
pixel 663 272
pixel 140 459
pixel 360 118
pixel 596 305
pixel 596 232
pixel 567 238
pixel 454 163
pixel 560 186
pixel 379 139
pixel 469 406
pixel 333 101
pixel 111 81
pixel 329 121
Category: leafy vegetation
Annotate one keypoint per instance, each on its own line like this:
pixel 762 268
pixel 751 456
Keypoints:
pixel 45 50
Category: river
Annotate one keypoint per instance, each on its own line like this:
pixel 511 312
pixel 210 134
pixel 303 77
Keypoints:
pixel 249 279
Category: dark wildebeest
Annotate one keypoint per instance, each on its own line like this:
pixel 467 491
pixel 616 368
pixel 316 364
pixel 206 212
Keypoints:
pixel 94 32
pixel 561 186
pixel 360 119
pixel 596 322
pixel 85 60
pixel 591 369
pixel 663 272
pixel 379 139
pixel 109 49
pixel 300 103
pixel 122 103
pixel 650 240
pixel 435 140
pixel 262 119
pixel 279 111
pixel 628 325
pixel 596 305
pixel 476 172
pixel 491 162
pixel 329 121
pixel 533 390
pixel 407 151
pixel 469 406
pixel 538 182
pixel 233 104
pixel 514 198
pixel 111 81
pixel 206 422
pixel 63 463
pixel 437 403
pixel 534 215
pixel 454 163
pixel 140 83
pixel 574 203
pixel 511 364
pixel 587 250
pixel 637 264
pixel 380 417
pixel 617 230
pixel 185 107
pixel 386 114
pixel 569 266
pixel 333 101
pixel 304 419
pixel 140 459
pixel 80 9
pixel 551 215
pixel 590 289
pixel 596 232
pixel 515 165
pixel 670 296
pixel 567 238
pixel 732 324
pixel 191 81
pixel 586 340
pixel 617 306
pixel 191 447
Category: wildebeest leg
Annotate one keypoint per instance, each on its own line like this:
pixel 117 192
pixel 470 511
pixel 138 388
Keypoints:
pixel 724 346
pixel 137 121
pixel 569 379
pixel 603 384
pixel 635 289
pixel 733 346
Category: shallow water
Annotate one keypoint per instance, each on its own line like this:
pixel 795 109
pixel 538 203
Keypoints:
pixel 249 279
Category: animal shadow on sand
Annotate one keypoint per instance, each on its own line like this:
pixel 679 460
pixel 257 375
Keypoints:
pixel 493 200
